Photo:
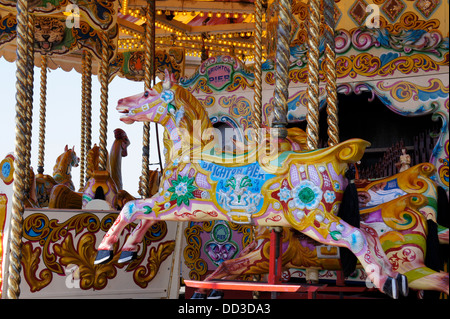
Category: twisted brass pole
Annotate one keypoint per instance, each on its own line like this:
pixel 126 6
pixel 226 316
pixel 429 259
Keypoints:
pixel 282 68
pixel 42 114
pixel 29 104
pixel 312 116
pixel 83 119
pixel 104 79
pixel 257 107
pixel 330 74
pixel 88 102
pixel 15 235
pixel 144 186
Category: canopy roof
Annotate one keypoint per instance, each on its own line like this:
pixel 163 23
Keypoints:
pixel 219 26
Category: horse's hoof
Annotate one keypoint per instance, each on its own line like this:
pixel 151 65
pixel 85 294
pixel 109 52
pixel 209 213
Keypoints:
pixel 402 282
pixel 215 294
pixel 127 256
pixel 103 257
pixel 198 295
pixel 390 288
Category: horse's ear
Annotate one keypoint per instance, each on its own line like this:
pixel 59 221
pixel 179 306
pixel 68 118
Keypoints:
pixel 66 148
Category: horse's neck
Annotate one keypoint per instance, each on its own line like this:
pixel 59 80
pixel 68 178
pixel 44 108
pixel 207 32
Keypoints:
pixel 62 169
pixel 115 163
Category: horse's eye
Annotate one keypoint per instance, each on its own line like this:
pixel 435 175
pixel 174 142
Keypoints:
pixel 146 94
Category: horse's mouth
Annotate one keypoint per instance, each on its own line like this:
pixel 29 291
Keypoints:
pixel 123 109
pixel 126 113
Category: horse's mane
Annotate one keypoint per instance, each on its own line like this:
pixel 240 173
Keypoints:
pixel 195 119
pixel 62 161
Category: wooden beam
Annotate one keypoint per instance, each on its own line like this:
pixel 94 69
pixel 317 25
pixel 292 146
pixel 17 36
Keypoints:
pixel 174 24
pixel 205 6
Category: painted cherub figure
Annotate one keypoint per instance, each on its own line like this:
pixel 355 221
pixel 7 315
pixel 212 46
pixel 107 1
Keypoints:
pixel 405 161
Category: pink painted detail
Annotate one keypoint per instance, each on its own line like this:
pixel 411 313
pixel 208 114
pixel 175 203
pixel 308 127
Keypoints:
pixel 295 179
pixel 202 181
pixel 185 170
pixel 333 174
pixel 313 176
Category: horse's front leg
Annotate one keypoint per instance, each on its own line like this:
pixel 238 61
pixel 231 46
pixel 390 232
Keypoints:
pixel 132 211
pixel 130 248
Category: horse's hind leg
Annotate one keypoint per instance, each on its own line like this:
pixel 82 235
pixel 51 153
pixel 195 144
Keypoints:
pixel 233 268
pixel 329 229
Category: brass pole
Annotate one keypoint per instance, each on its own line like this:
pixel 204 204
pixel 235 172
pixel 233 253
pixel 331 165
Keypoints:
pixel 88 107
pixel 83 119
pixel 144 186
pixel 257 107
pixel 312 116
pixel 42 114
pixel 330 74
pixel 281 95
pixel 29 104
pixel 104 80
pixel 15 236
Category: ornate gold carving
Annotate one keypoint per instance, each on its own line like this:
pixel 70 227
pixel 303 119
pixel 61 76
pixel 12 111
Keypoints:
pixel 144 274
pixel 56 250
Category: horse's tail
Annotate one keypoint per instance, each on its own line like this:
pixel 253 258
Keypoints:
pixel 349 212
pixel 63 197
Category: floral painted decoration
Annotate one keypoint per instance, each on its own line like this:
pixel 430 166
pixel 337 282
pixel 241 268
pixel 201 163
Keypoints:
pixel 182 190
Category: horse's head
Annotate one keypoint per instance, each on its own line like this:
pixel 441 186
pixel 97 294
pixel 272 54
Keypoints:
pixel 66 161
pixel 121 136
pixel 154 105
pixel 73 159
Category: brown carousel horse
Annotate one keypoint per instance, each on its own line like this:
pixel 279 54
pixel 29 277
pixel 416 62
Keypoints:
pixel 105 185
pixel 61 176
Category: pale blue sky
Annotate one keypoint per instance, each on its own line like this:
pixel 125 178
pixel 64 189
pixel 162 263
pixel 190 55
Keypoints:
pixel 64 116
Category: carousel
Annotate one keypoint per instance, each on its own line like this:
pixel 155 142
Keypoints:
pixel 302 151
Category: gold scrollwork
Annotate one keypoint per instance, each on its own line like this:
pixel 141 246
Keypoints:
pixel 53 242
pixel 192 252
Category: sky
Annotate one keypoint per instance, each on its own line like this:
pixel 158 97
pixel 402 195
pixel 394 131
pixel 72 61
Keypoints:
pixel 63 120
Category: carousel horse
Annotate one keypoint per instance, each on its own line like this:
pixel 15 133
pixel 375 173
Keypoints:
pixel 61 176
pixel 105 185
pixel 253 187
